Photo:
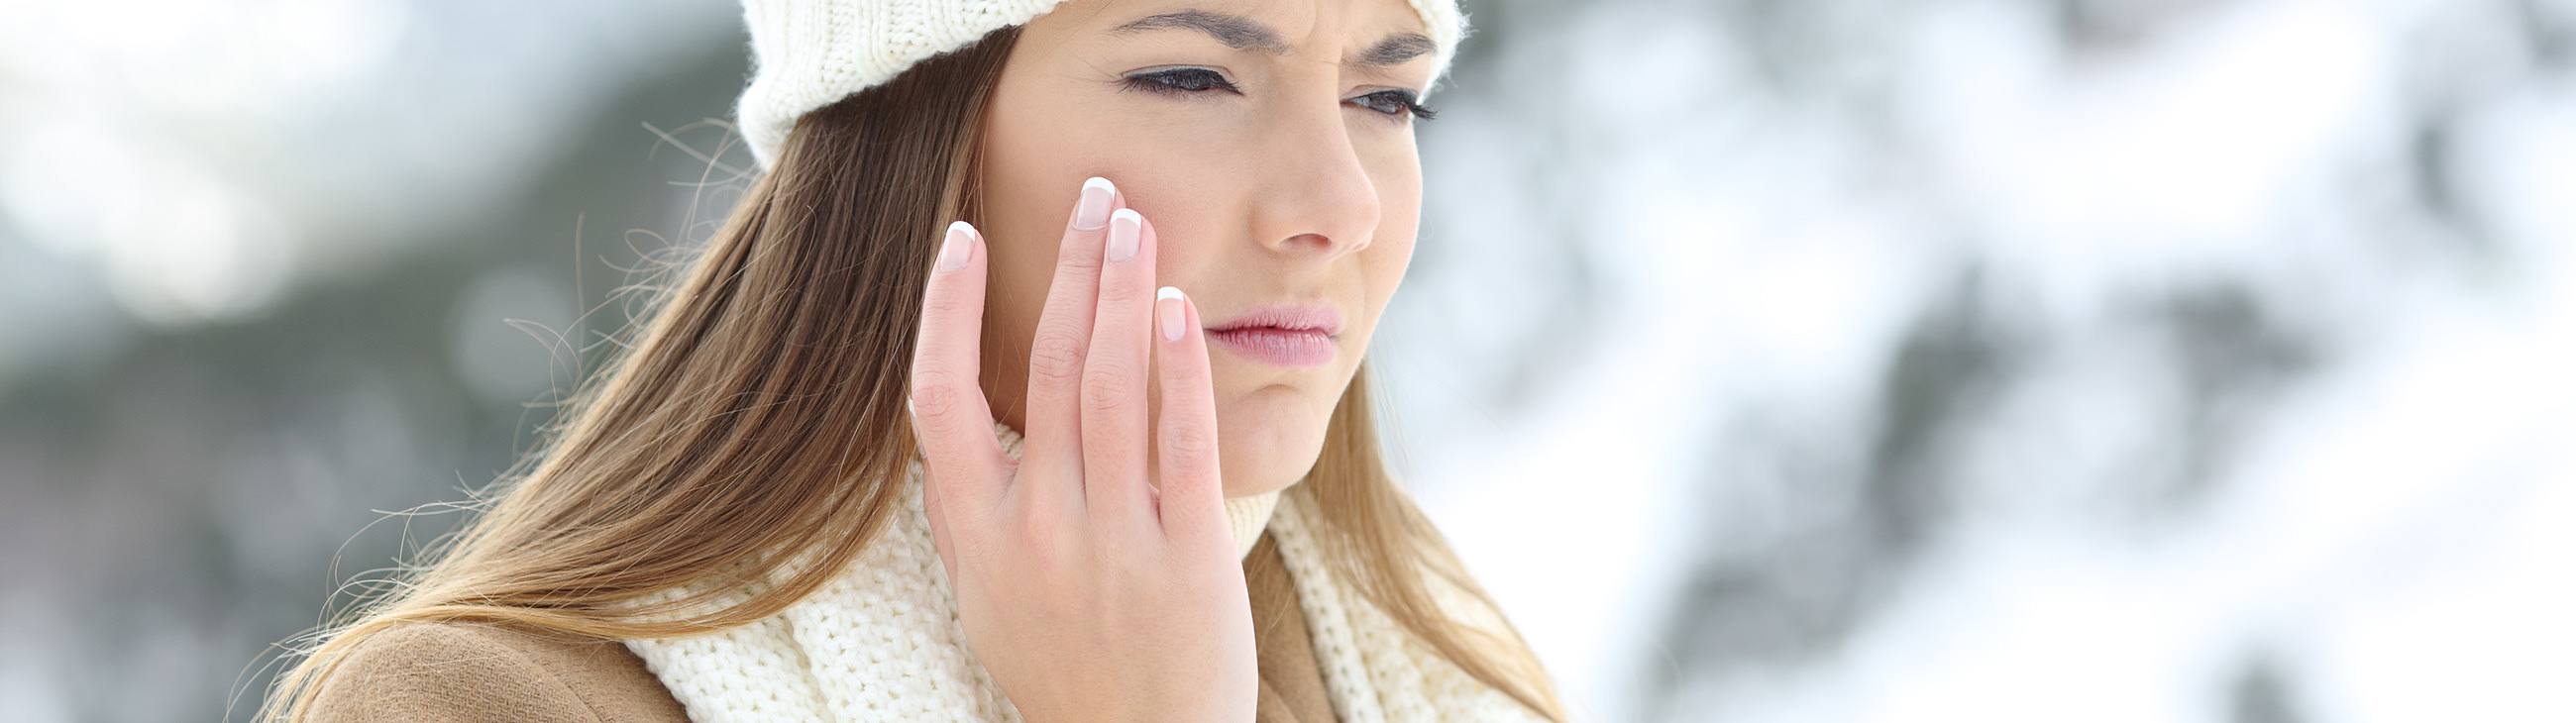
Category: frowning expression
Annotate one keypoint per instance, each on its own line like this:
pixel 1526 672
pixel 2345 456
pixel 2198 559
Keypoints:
pixel 1270 144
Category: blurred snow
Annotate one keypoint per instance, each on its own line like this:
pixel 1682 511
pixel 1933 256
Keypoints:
pixel 205 153
pixel 1788 360
pixel 2243 325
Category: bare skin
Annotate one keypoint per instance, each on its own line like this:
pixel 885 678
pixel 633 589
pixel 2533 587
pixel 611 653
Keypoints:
pixel 1261 157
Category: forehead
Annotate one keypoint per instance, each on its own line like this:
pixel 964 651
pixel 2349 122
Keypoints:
pixel 1285 27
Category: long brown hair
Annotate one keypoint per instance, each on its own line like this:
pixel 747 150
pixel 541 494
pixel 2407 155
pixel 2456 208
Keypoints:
pixel 757 416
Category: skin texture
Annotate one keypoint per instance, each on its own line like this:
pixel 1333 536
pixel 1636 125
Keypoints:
pixel 1287 193
pixel 1096 577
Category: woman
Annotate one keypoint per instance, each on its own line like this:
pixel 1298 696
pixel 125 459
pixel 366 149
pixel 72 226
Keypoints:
pixel 1155 235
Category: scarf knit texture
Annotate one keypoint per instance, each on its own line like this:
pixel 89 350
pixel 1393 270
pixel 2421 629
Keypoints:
pixel 882 641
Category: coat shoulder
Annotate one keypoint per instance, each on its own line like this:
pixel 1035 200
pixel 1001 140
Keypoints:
pixel 471 673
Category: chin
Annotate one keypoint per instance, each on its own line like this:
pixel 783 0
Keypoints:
pixel 1269 441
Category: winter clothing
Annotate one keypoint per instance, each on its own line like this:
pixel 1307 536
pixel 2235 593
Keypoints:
pixel 883 642
pixel 457 673
pixel 807 54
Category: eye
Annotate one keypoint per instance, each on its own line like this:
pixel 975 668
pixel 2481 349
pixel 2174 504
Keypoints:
pixel 1181 81
pixel 1396 103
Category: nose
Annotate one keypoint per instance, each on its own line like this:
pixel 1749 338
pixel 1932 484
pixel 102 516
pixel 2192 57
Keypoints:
pixel 1314 196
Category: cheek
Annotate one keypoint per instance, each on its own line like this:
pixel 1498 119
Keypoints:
pixel 1044 135
pixel 1381 268
pixel 1196 203
pixel 1390 252
pixel 1029 180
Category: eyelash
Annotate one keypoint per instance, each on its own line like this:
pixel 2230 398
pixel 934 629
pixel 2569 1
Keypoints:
pixel 1186 81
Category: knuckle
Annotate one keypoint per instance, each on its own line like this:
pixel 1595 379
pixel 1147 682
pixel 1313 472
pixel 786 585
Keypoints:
pixel 1042 536
pixel 1055 357
pixel 1189 444
pixel 1108 387
pixel 1034 530
pixel 935 395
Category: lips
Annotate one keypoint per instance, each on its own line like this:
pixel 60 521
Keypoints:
pixel 1282 335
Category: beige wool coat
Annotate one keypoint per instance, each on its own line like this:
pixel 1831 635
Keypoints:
pixel 466 673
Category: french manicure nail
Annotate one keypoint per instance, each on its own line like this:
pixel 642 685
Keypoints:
pixel 1125 230
pixel 1093 211
pixel 954 251
pixel 1167 304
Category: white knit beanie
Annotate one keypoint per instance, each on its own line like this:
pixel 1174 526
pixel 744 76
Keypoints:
pixel 807 54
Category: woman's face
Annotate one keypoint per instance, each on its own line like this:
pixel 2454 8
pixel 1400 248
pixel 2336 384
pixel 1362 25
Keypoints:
pixel 1269 143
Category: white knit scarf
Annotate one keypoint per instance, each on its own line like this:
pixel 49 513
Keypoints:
pixel 882 642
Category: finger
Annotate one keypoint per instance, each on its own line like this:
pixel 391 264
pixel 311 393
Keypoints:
pixel 1063 339
pixel 949 413
pixel 1114 375
pixel 938 526
pixel 1192 485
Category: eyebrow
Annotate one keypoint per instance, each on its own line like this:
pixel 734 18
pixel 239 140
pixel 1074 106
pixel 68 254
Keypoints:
pixel 1395 49
pixel 1239 32
pixel 1235 31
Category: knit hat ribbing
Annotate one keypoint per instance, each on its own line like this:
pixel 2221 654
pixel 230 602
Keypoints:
pixel 807 54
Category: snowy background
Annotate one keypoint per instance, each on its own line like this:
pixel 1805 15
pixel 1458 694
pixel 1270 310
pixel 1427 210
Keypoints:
pixel 1770 360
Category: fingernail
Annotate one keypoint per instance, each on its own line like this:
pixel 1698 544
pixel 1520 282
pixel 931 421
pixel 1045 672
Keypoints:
pixel 1167 304
pixel 1125 227
pixel 1093 211
pixel 953 252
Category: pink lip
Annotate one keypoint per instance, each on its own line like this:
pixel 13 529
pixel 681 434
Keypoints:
pixel 1289 336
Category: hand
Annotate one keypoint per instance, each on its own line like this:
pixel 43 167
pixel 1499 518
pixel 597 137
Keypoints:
pixel 1090 594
